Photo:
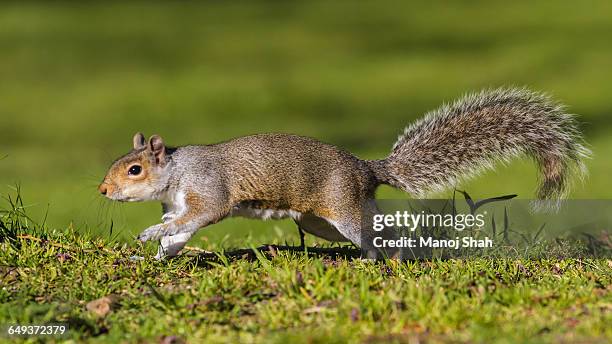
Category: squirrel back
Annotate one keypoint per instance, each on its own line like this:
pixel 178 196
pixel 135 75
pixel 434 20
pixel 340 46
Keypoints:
pixel 276 171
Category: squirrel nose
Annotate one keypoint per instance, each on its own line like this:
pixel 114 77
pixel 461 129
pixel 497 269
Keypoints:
pixel 103 189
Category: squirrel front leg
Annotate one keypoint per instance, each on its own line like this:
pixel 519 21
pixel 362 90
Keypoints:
pixel 194 217
pixel 170 246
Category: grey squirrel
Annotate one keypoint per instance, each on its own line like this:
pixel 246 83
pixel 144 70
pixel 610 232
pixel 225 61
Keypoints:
pixel 327 190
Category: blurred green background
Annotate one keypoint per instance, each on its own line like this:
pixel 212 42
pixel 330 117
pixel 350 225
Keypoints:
pixel 76 82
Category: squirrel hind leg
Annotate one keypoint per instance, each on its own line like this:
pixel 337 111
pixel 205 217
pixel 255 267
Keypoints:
pixel 319 227
pixel 358 228
pixel 363 236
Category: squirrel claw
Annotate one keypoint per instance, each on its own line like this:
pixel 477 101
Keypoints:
pixel 167 217
pixel 151 233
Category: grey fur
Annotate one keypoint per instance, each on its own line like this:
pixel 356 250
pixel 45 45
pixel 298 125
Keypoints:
pixel 328 191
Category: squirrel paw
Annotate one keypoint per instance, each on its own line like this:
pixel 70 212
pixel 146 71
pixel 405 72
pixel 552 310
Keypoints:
pixel 152 233
pixel 167 217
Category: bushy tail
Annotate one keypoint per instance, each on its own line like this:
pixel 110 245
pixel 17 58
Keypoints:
pixel 459 140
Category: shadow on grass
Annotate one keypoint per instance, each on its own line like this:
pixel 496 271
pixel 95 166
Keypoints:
pixel 271 251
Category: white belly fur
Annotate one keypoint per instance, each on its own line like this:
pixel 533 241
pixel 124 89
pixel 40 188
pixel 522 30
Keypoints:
pixel 264 214
pixel 309 223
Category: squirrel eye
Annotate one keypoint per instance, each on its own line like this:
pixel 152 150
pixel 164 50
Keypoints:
pixel 135 170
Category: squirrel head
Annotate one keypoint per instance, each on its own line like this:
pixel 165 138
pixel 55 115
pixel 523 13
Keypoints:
pixel 140 175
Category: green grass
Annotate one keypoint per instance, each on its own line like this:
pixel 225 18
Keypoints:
pixel 79 80
pixel 52 276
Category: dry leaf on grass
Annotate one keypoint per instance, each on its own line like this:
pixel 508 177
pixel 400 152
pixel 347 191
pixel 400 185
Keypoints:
pixel 102 306
pixel 171 340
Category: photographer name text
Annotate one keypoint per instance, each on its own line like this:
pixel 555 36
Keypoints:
pixel 456 243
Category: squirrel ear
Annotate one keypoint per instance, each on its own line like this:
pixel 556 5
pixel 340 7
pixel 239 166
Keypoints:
pixel 157 147
pixel 139 141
